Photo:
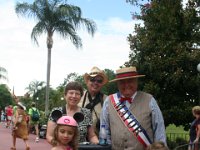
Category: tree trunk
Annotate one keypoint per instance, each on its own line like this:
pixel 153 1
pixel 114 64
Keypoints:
pixel 48 81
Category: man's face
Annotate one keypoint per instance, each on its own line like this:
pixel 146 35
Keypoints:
pixel 94 84
pixel 127 87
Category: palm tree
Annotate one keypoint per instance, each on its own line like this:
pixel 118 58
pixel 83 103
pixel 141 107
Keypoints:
pixel 3 73
pixel 55 16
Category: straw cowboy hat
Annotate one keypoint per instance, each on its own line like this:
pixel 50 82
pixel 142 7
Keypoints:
pixel 21 105
pixel 126 73
pixel 95 71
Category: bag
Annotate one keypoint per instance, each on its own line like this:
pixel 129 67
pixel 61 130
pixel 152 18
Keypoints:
pixel 35 115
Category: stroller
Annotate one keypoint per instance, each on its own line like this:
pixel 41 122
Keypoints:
pixel 43 131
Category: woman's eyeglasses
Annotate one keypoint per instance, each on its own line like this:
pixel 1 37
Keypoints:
pixel 96 80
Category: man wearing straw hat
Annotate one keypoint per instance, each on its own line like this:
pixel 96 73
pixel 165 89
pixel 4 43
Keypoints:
pixel 93 98
pixel 132 118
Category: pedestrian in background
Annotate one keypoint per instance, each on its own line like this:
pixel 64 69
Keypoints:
pixel 34 116
pixel 195 129
pixel 9 114
pixel 20 129
pixel 93 98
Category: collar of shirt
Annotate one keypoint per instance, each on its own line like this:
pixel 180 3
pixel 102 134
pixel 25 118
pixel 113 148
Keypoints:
pixel 126 102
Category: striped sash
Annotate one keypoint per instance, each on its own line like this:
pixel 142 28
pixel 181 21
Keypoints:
pixel 130 121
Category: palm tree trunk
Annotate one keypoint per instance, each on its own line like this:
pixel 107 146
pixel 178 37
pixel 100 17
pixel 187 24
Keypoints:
pixel 48 81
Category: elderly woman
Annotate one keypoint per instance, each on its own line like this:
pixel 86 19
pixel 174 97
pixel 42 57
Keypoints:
pixel 73 94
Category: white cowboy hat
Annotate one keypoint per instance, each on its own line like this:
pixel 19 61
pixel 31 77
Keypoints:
pixel 95 71
pixel 21 105
pixel 126 73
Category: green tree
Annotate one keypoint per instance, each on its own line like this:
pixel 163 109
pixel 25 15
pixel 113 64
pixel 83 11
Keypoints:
pixel 165 48
pixel 5 96
pixel 110 88
pixel 55 16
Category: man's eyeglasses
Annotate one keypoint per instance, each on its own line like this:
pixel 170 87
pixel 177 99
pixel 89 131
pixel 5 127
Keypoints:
pixel 96 80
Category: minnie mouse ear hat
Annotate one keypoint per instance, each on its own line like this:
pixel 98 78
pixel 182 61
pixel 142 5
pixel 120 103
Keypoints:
pixel 67 120
pixel 126 73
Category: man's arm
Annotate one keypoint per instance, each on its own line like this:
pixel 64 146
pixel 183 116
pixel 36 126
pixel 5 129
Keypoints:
pixel 157 122
pixel 104 120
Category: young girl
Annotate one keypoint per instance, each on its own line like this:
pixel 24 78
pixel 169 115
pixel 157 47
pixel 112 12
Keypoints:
pixel 65 134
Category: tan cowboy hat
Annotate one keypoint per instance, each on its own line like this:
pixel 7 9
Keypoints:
pixel 95 71
pixel 21 105
pixel 126 73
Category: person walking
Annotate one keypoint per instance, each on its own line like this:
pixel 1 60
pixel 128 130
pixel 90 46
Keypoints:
pixel 132 119
pixel 9 114
pixel 20 129
pixel 195 129
pixel 93 98
pixel 34 116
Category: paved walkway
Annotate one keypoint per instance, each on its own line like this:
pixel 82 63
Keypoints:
pixel 6 141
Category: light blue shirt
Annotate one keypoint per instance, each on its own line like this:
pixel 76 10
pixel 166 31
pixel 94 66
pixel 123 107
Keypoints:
pixel 158 126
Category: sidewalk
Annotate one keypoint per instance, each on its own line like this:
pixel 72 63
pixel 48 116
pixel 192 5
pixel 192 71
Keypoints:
pixel 6 141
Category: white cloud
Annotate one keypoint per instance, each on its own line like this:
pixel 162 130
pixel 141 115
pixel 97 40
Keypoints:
pixel 26 62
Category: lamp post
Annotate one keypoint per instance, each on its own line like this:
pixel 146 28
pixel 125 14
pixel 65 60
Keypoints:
pixel 37 99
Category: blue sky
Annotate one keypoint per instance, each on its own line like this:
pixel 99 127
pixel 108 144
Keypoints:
pixel 26 62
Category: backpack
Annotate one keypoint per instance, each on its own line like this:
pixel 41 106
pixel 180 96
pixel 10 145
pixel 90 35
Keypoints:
pixel 35 115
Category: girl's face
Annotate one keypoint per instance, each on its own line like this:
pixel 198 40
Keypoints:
pixel 65 134
pixel 73 97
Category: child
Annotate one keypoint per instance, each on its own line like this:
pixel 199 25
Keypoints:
pixel 195 129
pixel 157 146
pixel 65 134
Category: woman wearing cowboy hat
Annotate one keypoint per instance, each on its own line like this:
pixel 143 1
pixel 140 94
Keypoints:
pixel 134 115
pixel 20 129
pixel 93 98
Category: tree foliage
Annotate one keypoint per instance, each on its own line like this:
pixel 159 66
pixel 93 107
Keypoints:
pixel 5 96
pixel 165 48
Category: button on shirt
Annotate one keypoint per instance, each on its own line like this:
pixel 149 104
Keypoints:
pixel 157 119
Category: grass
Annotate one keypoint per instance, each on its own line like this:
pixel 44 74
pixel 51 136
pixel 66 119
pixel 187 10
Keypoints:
pixel 173 129
pixel 174 132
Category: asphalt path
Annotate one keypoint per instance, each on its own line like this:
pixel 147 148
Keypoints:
pixel 6 141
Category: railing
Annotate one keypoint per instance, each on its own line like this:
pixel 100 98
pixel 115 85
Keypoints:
pixel 177 139
pixel 174 136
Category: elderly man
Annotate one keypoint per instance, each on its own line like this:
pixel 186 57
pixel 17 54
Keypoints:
pixel 93 98
pixel 135 117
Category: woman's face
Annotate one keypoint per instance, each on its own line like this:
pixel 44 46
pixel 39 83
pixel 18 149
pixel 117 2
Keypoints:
pixel 73 97
pixel 65 134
